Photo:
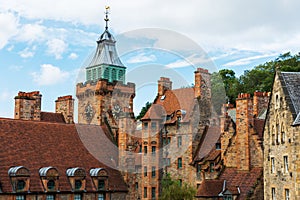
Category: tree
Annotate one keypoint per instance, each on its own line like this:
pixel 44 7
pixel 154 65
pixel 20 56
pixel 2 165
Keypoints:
pixel 144 110
pixel 173 190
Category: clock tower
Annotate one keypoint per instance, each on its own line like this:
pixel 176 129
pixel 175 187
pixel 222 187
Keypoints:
pixel 104 98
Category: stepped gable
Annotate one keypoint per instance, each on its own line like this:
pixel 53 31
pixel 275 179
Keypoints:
pixel 35 144
pixel 52 117
pixel 290 82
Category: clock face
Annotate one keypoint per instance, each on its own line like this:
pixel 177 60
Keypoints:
pixel 116 110
pixel 89 112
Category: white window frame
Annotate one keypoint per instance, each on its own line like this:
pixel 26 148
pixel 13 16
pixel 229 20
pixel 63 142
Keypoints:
pixel 287 194
pixel 273 193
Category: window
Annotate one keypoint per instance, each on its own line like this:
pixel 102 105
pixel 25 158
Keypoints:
pixel 120 74
pixel 114 74
pixel 179 163
pixel 278 134
pixel 145 192
pixel 227 197
pixel 94 74
pixel 272 165
pixel 101 196
pixel 20 197
pixel 166 140
pixel 145 150
pixel 146 125
pixel 77 197
pixel 78 184
pixel 106 73
pixel 153 191
pixel 101 185
pixel 273 194
pixel 51 185
pixel 99 72
pixel 21 185
pixel 153 126
pixel 89 74
pixel 145 171
pixel 286 164
pixel 179 141
pixel 282 134
pixel 136 185
pixel 153 172
pixel 198 168
pixel 50 197
pixel 218 146
pixel 287 194
pixel 211 167
pixel 153 150
pixel 140 149
pixel 167 161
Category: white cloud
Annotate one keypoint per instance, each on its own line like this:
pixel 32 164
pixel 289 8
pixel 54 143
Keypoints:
pixel 73 56
pixel 192 60
pixel 142 58
pixel 248 60
pixel 9 26
pixel 56 47
pixel 49 75
pixel 32 32
pixel 27 52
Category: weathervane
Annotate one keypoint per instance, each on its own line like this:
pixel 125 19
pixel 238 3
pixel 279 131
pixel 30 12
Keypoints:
pixel 106 17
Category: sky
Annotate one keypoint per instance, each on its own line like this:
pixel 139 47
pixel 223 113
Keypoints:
pixel 44 44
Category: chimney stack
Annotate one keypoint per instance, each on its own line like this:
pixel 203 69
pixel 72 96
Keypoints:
pixel 28 106
pixel 202 83
pixel 65 106
pixel 163 85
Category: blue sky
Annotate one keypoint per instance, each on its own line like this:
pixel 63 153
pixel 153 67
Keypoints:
pixel 43 45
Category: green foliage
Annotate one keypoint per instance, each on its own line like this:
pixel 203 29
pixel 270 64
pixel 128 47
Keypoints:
pixel 218 94
pixel 172 190
pixel 144 110
pixel 259 78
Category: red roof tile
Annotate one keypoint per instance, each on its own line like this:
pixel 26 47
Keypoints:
pixel 52 117
pixel 35 145
pixel 210 188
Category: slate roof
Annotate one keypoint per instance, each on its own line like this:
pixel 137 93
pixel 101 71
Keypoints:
pixel 211 137
pixel 106 52
pixel 36 144
pixel 290 82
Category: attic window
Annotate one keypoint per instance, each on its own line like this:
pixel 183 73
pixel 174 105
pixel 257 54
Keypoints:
pixel 99 178
pixel 49 177
pixel 76 177
pixel 163 97
pixel 218 146
pixel 19 178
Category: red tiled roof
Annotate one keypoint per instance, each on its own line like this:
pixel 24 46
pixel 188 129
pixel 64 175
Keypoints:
pixel 210 188
pixel 243 179
pixel 35 145
pixel 52 117
pixel 174 100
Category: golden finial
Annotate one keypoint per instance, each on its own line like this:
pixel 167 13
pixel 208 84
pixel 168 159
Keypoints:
pixel 106 17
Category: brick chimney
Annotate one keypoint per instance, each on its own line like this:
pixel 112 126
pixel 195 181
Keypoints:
pixel 163 85
pixel 260 101
pixel 65 105
pixel 28 106
pixel 202 83
pixel 244 119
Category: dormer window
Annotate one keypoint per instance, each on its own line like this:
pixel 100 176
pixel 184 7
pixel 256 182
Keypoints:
pixel 100 178
pixel 19 178
pixel 76 177
pixel 49 177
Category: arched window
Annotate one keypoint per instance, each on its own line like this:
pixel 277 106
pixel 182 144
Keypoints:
pixel 114 74
pixel 19 178
pixel 49 177
pixel 100 180
pixel 282 133
pixel 76 177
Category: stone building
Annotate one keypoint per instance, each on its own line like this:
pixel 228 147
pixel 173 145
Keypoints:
pixel 43 155
pixel 233 169
pixel 281 139
pixel 172 130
